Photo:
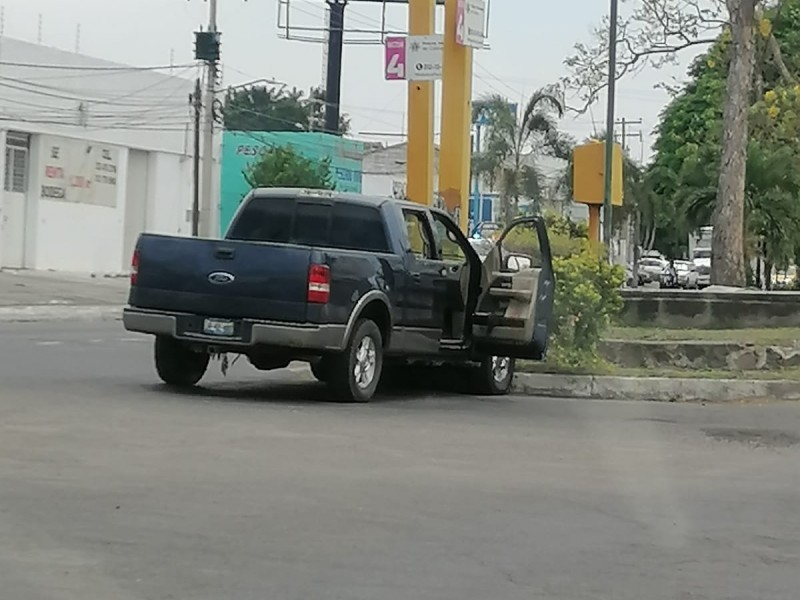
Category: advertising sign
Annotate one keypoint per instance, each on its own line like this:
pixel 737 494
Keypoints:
pixel 394 66
pixel 424 56
pixel 471 23
pixel 79 171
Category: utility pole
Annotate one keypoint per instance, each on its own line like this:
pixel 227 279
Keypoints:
pixel 207 203
pixel 633 218
pixel 612 93
pixel 625 135
pixel 196 101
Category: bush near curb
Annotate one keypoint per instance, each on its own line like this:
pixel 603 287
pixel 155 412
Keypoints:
pixel 587 292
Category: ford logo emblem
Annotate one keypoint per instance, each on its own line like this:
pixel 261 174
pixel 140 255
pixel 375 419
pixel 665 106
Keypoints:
pixel 221 278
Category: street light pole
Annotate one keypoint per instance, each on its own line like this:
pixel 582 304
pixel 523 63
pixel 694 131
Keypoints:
pixel 612 92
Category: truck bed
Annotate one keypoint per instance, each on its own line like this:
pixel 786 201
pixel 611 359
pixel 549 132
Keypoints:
pixel 222 278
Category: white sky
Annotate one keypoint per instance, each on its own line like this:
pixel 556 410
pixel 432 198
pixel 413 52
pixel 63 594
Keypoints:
pixel 529 40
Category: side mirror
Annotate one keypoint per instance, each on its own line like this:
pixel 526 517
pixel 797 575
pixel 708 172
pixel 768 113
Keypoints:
pixel 517 262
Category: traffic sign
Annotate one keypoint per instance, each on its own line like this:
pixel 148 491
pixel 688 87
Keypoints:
pixel 415 58
pixel 471 23
pixel 394 66
pixel 424 55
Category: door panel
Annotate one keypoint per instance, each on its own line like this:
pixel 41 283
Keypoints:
pixel 463 275
pixel 516 300
pixel 425 288
pixel 12 230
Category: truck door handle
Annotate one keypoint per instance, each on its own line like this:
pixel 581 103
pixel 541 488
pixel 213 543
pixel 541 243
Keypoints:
pixel 416 277
pixel 224 253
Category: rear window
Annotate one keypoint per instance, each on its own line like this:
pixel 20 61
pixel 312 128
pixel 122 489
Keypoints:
pixel 285 220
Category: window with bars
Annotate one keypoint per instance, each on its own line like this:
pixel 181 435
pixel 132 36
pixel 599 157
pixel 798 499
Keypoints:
pixel 16 175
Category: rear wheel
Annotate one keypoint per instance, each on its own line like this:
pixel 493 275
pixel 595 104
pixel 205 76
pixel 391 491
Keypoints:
pixel 494 376
pixel 177 364
pixel 355 373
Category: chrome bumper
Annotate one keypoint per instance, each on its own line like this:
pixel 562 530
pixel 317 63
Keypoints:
pixel 299 336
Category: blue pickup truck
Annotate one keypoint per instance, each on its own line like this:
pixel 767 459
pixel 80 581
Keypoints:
pixel 347 283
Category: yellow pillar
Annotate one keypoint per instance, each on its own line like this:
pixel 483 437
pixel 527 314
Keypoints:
pixel 455 147
pixel 594 222
pixel 419 157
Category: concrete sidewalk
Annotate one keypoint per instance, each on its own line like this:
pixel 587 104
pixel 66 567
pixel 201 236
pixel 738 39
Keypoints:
pixel 42 295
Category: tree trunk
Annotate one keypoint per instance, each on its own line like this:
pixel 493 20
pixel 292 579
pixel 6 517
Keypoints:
pixel 727 243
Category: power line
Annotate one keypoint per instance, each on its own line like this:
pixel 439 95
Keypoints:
pixel 120 68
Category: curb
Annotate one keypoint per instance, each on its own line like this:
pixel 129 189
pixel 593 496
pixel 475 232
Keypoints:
pixel 654 389
pixel 31 314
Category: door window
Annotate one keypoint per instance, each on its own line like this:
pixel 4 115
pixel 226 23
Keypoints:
pixel 521 249
pixel 419 234
pixel 451 250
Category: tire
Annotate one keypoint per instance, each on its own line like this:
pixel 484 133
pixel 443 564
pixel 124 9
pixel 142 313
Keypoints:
pixel 347 384
pixel 493 378
pixel 177 365
pixel 321 369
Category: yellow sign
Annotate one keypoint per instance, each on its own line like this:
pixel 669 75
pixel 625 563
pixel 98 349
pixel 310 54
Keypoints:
pixel 588 171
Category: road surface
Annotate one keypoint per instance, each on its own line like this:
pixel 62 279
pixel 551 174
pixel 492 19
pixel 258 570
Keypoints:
pixel 113 488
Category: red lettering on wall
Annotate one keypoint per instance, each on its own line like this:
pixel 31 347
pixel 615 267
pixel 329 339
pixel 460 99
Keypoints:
pixel 52 172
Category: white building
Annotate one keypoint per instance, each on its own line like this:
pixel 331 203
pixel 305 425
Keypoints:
pixel 95 153
pixel 384 170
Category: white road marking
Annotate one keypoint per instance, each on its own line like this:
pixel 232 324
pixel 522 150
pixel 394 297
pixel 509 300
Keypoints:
pixel 49 343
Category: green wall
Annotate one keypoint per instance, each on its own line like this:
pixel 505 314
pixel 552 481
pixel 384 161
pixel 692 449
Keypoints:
pixel 240 148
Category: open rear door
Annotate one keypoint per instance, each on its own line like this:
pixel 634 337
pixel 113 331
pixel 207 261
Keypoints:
pixel 515 304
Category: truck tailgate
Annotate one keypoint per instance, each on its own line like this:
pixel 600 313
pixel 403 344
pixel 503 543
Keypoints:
pixel 222 278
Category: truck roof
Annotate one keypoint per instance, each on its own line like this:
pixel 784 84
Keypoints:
pixel 320 194
pixel 333 195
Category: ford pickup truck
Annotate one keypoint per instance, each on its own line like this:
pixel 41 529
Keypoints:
pixel 347 283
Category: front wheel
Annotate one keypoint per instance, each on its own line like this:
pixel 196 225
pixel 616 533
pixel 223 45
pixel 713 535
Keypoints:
pixel 356 372
pixel 177 364
pixel 494 376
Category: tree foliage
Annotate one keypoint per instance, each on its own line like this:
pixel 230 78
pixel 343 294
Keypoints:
pixel 282 166
pixel 512 145
pixel 653 34
pixel 272 108
pixel 715 163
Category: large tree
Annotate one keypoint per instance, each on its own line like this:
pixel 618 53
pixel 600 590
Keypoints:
pixel 273 108
pixel 652 35
pixel 513 143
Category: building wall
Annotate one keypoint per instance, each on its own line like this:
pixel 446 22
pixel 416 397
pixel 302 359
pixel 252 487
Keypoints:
pixel 83 214
pixel 240 149
pixel 141 116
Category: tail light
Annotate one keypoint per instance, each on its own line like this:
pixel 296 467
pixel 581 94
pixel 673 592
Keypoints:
pixel 135 267
pixel 319 284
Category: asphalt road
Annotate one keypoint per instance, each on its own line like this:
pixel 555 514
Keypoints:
pixel 111 488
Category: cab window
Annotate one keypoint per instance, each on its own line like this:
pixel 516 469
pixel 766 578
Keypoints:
pixel 418 234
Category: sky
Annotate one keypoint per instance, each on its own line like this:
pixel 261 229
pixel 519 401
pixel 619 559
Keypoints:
pixel 528 39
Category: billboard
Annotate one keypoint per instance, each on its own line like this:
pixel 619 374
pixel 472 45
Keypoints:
pixel 241 148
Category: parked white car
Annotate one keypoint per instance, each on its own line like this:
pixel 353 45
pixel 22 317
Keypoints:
pixel 701 257
pixel 688 278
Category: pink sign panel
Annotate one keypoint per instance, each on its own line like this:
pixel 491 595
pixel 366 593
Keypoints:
pixel 394 66
pixel 461 22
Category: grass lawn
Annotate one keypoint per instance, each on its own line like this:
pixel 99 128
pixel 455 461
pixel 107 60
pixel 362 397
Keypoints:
pixel 788 335
pixel 536 367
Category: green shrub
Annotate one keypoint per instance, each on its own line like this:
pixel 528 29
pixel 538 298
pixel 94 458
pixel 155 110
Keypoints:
pixel 587 290
pixel 587 297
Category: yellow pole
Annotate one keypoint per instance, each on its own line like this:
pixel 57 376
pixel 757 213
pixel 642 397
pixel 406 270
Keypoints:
pixel 419 157
pixel 594 222
pixel 455 148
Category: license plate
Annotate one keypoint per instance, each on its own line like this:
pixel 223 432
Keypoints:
pixel 218 327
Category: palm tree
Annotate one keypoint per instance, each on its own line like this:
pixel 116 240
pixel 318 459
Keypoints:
pixel 507 161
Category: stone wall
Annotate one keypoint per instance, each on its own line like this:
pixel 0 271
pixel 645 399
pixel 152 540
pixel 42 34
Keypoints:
pixel 699 355
pixel 678 309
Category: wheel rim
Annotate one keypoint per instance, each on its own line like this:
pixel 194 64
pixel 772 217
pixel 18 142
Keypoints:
pixel 365 364
pixel 501 365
